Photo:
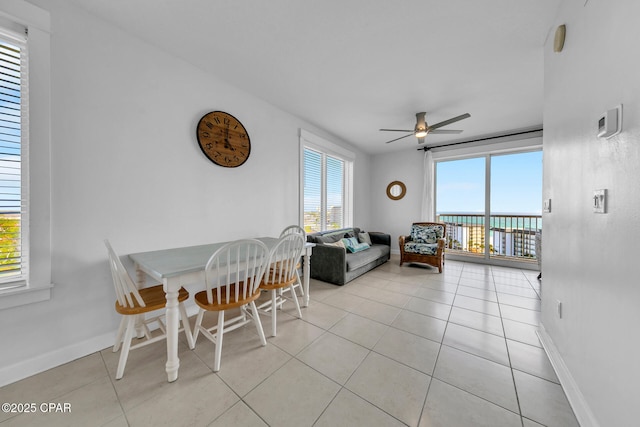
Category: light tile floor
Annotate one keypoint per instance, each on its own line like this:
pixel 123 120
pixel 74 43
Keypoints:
pixel 397 346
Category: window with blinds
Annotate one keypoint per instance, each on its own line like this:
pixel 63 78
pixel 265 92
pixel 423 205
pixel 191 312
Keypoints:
pixel 324 191
pixel 12 185
pixel 335 193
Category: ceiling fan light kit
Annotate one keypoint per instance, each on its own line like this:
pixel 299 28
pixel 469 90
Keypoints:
pixel 422 129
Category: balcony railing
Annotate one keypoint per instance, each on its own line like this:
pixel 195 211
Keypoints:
pixel 510 236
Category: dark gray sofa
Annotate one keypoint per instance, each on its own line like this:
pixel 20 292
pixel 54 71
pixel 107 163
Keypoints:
pixel 335 265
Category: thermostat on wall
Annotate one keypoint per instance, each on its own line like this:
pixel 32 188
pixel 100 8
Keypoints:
pixel 610 123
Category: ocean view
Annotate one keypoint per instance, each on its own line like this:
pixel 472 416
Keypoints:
pixel 505 221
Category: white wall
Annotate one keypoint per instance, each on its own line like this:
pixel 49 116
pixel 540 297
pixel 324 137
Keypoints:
pixel 590 260
pixel 126 166
pixel 396 216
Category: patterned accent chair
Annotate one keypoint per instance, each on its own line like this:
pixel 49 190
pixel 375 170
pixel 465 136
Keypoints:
pixel 425 244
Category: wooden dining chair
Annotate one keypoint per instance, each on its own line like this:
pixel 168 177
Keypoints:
pixel 134 304
pixel 282 274
pixel 296 229
pixel 232 279
pixel 293 229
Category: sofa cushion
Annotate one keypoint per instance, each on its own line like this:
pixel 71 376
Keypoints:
pixel 333 234
pixel 329 238
pixel 426 233
pixel 421 248
pixel 360 259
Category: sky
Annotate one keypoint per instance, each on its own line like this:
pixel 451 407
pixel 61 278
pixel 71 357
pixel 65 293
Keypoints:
pixel 516 184
pixel 10 120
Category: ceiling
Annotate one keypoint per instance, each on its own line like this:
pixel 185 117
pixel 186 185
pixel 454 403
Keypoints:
pixel 351 67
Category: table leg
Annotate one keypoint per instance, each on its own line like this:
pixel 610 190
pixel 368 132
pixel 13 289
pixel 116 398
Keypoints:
pixel 141 278
pixel 307 271
pixel 172 318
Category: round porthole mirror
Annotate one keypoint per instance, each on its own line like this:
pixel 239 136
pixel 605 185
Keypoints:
pixel 396 190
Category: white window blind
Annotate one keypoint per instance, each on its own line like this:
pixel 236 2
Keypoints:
pixel 324 191
pixel 334 193
pixel 13 197
pixel 312 190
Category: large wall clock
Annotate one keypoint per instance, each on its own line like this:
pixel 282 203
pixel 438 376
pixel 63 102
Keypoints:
pixel 223 139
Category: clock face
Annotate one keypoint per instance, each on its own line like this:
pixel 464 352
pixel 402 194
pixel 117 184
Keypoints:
pixel 223 139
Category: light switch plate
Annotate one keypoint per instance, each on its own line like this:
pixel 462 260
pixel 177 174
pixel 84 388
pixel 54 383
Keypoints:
pixel 600 201
pixel 546 205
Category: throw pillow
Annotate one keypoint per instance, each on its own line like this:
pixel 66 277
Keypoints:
pixel 360 247
pixel 349 241
pixel 339 244
pixel 363 237
pixel 353 245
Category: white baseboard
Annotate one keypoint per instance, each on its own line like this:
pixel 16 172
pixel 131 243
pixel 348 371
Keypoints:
pixel 576 399
pixel 42 362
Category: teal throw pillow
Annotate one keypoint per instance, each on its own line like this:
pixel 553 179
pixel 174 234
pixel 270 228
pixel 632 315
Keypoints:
pixel 353 245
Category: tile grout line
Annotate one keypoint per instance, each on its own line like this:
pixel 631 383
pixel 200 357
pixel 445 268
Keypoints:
pixel 343 386
pixel 113 386
pixel 426 396
pixel 513 378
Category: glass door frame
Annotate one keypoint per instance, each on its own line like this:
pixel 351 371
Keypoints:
pixel 487 151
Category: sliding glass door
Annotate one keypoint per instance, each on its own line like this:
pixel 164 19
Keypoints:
pixel 516 198
pixel 460 202
pixel 491 205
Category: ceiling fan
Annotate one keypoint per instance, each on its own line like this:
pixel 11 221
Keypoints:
pixel 422 129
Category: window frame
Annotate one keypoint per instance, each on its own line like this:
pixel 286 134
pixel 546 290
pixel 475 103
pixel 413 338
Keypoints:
pixel 10 36
pixel 320 145
pixel 37 21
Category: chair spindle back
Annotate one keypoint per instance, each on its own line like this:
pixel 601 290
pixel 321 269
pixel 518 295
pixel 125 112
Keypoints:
pixel 284 258
pixel 294 229
pixel 234 271
pixel 126 290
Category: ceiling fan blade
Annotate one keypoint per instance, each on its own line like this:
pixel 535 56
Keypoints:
pixel 448 122
pixel 396 130
pixel 402 137
pixel 445 131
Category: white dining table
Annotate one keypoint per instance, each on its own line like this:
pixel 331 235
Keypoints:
pixel 177 267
